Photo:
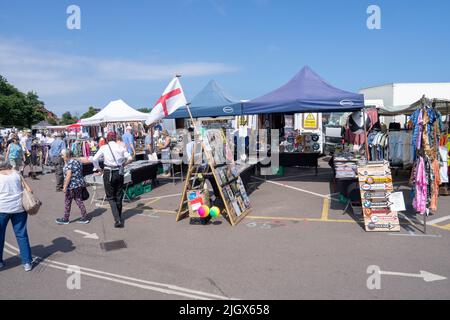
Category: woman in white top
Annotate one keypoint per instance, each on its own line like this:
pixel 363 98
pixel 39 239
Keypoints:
pixel 11 209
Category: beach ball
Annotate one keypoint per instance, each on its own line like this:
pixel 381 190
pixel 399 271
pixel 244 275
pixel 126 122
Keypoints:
pixel 203 211
pixel 214 212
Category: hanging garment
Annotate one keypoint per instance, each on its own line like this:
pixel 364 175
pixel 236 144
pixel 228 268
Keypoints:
pixel 421 186
pixel 436 182
pixel 407 155
pixel 443 164
pixel 416 120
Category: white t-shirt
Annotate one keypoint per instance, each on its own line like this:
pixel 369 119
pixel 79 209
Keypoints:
pixel 11 193
pixel 121 155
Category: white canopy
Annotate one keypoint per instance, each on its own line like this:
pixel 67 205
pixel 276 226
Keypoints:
pixel 115 111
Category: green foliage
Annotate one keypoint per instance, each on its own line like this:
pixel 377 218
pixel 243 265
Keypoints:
pixel 90 113
pixel 144 110
pixel 67 119
pixel 52 122
pixel 17 108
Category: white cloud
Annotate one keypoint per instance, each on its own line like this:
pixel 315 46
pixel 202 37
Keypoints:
pixel 54 74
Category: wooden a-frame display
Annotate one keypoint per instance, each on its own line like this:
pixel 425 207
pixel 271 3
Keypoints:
pixel 194 169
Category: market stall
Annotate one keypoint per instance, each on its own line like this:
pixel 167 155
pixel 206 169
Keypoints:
pixel 306 93
pixel 211 101
pixel 116 116
pixel 212 108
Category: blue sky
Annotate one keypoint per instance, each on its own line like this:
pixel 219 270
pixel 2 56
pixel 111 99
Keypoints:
pixel 130 49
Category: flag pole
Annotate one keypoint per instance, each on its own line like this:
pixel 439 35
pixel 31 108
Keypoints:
pixel 189 110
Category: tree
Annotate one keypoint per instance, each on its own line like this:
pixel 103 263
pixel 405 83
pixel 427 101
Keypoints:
pixel 144 110
pixel 68 119
pixel 90 113
pixel 17 108
pixel 52 121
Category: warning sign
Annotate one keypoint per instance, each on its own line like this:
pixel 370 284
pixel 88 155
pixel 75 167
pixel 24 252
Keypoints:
pixel 310 121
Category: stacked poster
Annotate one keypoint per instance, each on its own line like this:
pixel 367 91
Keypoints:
pixel 376 185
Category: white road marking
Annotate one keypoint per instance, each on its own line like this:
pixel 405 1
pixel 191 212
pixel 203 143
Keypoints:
pixel 303 175
pixel 416 235
pixel 87 235
pixel 294 188
pixel 426 276
pixel 143 284
pixel 439 220
pixel 162 197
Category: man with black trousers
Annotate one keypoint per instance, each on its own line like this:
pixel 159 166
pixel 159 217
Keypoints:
pixel 115 158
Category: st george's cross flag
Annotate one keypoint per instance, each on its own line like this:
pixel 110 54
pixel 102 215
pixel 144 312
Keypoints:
pixel 171 99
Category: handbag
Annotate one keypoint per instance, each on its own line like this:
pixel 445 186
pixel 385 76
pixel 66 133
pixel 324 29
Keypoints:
pixel 84 194
pixel 31 204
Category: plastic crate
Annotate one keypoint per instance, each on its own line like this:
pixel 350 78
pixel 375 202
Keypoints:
pixel 148 188
pixel 280 171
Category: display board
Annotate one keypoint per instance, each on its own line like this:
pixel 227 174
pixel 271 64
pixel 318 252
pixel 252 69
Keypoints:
pixel 236 203
pixel 376 186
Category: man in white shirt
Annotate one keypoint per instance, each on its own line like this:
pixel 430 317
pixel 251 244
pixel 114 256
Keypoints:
pixel 115 158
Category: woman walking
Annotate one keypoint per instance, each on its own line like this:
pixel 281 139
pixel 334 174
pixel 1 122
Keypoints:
pixel 15 155
pixel 11 209
pixel 73 188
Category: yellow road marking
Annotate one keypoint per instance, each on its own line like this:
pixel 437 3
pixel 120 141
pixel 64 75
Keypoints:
pixel 299 219
pixel 325 209
pixel 446 227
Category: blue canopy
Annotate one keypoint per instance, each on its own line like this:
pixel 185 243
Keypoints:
pixel 306 92
pixel 212 101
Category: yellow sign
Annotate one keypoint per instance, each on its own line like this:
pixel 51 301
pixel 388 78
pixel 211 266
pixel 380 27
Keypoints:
pixel 310 121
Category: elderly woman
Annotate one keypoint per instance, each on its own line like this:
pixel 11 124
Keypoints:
pixel 73 188
pixel 11 209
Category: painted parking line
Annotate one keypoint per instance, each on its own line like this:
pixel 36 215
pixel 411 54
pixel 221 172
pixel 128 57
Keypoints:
pixel 130 281
pixel 325 209
pixel 252 217
pixel 446 227
pixel 439 220
pixel 293 188
pixel 298 219
pixel 416 235
pixel 302 175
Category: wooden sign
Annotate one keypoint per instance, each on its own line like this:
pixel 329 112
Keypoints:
pixel 376 185
pixel 236 203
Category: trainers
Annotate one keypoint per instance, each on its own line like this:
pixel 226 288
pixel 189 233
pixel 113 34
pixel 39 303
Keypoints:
pixel 84 220
pixel 62 221
pixel 2 265
pixel 28 267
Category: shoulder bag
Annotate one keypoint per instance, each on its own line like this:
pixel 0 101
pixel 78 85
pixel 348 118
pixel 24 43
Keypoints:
pixel 31 204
